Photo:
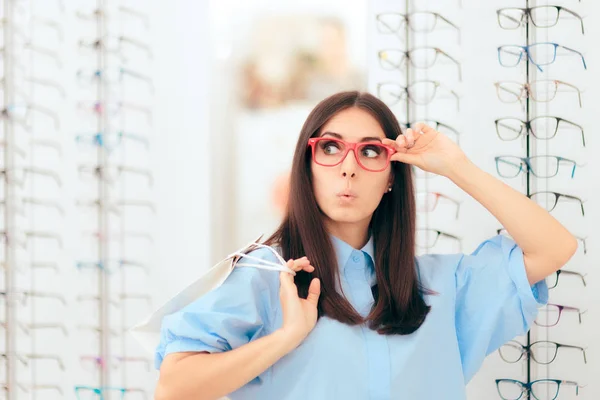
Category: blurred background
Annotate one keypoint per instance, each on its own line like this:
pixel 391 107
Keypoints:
pixel 143 141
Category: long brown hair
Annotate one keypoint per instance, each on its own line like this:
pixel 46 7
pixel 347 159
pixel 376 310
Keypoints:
pixel 399 305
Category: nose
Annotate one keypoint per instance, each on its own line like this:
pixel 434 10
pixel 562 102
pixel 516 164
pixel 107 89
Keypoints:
pixel 349 165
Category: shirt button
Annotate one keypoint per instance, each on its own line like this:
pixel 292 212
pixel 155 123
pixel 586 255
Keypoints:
pixel 355 258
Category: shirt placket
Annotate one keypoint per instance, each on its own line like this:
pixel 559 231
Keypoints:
pixel 377 350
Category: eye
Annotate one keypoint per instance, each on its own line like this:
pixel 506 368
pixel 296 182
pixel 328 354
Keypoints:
pixel 371 151
pixel 330 147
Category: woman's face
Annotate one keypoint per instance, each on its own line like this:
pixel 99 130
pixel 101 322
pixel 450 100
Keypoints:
pixel 332 184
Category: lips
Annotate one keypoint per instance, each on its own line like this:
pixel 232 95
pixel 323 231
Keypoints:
pixel 347 194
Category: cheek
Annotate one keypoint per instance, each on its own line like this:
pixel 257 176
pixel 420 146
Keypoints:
pixel 376 187
pixel 320 179
pixel 377 182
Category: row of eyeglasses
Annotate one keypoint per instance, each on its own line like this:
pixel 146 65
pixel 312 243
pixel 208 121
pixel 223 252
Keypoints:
pixel 545 127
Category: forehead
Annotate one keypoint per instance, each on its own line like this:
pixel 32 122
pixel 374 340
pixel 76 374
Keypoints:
pixel 354 123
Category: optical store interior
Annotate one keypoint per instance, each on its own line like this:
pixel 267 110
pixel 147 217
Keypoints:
pixel 142 142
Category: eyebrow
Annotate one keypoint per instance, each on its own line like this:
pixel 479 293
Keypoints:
pixel 365 139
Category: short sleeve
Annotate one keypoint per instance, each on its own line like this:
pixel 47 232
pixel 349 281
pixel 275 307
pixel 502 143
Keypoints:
pixel 235 313
pixel 494 300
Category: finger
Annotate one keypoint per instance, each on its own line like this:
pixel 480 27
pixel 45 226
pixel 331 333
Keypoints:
pixel 406 158
pixel 282 281
pixel 417 133
pixel 410 138
pixel 290 275
pixel 401 141
pixel 399 144
pixel 309 268
pixel 303 264
pixel 300 264
pixel 427 135
pixel 314 291
pixel 399 148
pixel 423 128
pixel 287 287
pixel 290 265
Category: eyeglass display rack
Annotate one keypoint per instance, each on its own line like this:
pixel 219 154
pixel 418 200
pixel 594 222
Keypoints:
pixel 118 161
pixel 534 148
pixel 32 194
pixel 78 209
pixel 381 70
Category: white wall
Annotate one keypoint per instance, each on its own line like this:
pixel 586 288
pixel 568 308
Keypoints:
pixel 243 179
pixel 182 131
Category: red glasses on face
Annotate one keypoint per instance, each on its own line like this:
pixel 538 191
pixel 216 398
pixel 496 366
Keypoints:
pixel 371 156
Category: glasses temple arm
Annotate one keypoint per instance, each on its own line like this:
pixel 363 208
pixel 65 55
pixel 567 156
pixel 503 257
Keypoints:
pixel 508 16
pixel 575 125
pixel 580 313
pixel 457 99
pixel 454 60
pixel 579 17
pixel 573 87
pixel 506 90
pixel 451 24
pixel 577 52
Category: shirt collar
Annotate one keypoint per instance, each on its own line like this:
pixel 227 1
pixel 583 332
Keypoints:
pixel 343 250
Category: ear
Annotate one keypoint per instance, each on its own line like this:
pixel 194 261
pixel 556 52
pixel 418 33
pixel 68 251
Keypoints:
pixel 388 187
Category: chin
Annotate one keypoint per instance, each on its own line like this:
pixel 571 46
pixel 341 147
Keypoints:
pixel 348 216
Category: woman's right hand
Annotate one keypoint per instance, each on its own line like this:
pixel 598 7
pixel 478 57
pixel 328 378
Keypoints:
pixel 299 315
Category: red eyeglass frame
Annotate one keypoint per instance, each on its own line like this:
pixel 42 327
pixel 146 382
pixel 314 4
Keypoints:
pixel 351 146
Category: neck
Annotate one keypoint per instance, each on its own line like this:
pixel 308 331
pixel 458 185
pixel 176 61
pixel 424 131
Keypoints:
pixel 356 234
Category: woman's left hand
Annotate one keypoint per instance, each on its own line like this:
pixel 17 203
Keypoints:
pixel 427 149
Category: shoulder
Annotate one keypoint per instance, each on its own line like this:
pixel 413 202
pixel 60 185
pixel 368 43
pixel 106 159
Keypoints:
pixel 496 248
pixel 247 290
pixel 434 268
pixel 247 272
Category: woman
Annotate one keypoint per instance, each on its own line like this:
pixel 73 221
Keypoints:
pixel 364 318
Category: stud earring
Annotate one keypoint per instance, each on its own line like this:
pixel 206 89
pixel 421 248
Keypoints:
pixel 390 189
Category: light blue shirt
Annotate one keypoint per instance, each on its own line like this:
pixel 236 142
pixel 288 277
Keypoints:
pixel 482 300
